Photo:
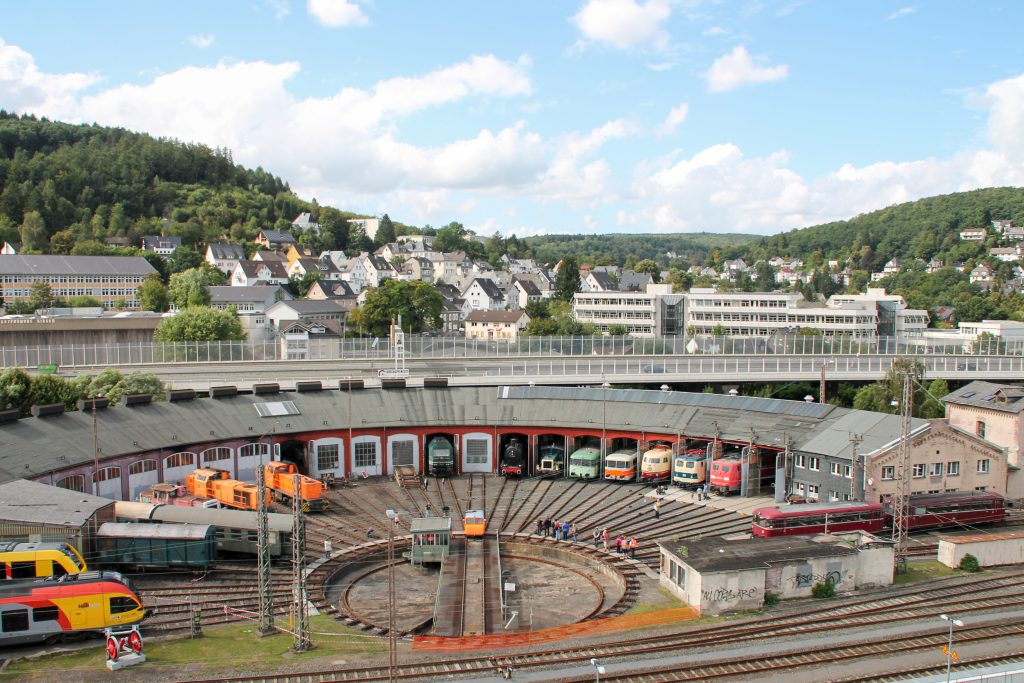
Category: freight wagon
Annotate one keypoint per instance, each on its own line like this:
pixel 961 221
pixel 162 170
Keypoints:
pixel 190 546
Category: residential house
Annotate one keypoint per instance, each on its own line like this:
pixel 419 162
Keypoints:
pixel 731 269
pixel 491 324
pixel 264 255
pixel 418 268
pixel 337 256
pixel 933 266
pixel 1005 254
pixel 377 269
pixel 224 257
pixel 325 268
pixel 452 315
pixel 114 280
pixel 251 304
pixel 893 267
pixel 982 275
pixel 392 251
pixel 1001 226
pixel 632 281
pixel 117 241
pixel 163 246
pixel 249 273
pixel 275 239
pixel 306 311
pixel 524 291
pixel 599 281
pixel 416 242
pixel 1014 233
pixel 973 235
pixel 297 251
pixel 483 294
pixel 304 221
pixel 330 289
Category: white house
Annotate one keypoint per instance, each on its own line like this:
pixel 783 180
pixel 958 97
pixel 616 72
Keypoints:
pixel 224 257
pixel 248 273
pixel 495 324
pixel 484 295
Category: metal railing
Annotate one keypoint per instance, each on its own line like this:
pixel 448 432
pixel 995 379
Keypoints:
pixel 438 348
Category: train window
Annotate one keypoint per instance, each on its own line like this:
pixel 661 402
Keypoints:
pixel 252 536
pixel 23 570
pixel 14 620
pixel 45 614
pixel 120 605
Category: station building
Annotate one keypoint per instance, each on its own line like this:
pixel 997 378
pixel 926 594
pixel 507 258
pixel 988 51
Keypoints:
pixel 372 431
pixel 994 413
pixel 715 575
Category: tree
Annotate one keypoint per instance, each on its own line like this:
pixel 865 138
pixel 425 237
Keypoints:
pixel 680 280
pixel 33 232
pixel 153 295
pixel 200 323
pixel 47 389
pixel 933 407
pixel 189 287
pixel 618 330
pixel 650 267
pixel 765 276
pixel 137 383
pixel 15 390
pixel 183 259
pixel 334 228
pixel 567 282
pixel 385 231
pixel 302 284
pixel 419 304
pixel 40 295
pixel 84 301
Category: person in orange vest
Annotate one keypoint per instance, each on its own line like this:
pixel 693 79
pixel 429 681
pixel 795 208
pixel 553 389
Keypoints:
pixel 632 548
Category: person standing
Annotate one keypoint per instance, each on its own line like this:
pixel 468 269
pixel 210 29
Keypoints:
pixel 632 548
pixel 597 536
pixel 657 509
pixel 328 547
pixel 575 533
pixel 606 536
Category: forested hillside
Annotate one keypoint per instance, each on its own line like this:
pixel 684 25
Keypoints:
pixel 64 188
pixel 924 229
pixel 682 249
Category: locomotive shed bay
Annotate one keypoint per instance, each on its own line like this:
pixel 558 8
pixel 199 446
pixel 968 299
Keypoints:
pixel 384 425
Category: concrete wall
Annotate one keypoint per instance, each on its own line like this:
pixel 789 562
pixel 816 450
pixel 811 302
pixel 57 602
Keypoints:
pixel 798 579
pixel 723 592
pixel 989 553
pixel 875 566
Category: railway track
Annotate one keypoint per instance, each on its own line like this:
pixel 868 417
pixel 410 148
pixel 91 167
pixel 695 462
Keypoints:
pixel 850 615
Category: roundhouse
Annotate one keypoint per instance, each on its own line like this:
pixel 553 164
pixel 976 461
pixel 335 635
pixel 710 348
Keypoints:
pixel 357 432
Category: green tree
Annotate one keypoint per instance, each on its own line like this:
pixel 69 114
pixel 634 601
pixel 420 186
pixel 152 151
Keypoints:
pixel 84 301
pixel 385 231
pixel 933 407
pixel 765 276
pixel 649 266
pixel 40 295
pixel 153 295
pixel 15 390
pixel 419 304
pixel 302 284
pixel 200 323
pixel 680 280
pixel 184 258
pixel 189 287
pixel 567 282
pixel 137 383
pixel 334 228
pixel 617 330
pixel 33 232
pixel 47 389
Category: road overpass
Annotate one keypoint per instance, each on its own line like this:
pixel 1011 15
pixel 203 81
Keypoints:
pixel 550 360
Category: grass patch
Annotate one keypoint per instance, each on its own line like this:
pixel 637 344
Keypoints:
pixel 222 648
pixel 668 601
pixel 922 571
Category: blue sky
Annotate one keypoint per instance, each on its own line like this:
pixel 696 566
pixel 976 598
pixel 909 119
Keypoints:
pixel 589 116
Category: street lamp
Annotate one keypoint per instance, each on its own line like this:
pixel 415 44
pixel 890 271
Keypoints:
pixel 599 668
pixel 949 646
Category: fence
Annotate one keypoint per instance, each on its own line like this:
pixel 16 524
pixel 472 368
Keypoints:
pixel 427 348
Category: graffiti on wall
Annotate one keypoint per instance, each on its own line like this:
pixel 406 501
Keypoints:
pixel 805 580
pixel 727 594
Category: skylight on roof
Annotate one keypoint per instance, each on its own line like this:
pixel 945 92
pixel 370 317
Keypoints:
pixel 989 397
pixel 276 408
pixel 969 394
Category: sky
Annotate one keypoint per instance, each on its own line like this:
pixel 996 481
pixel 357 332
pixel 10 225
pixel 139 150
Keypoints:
pixel 554 116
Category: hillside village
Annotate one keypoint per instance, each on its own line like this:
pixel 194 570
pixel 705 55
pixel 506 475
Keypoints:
pixel 280 287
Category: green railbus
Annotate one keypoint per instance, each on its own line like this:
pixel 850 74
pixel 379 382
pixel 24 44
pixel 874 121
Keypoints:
pixel 585 463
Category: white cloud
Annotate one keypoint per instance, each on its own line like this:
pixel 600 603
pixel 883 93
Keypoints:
pixel 201 40
pixel 714 31
pixel 676 116
pixel 280 8
pixel 624 23
pixel 901 12
pixel 738 68
pixel 337 13
pixel 24 88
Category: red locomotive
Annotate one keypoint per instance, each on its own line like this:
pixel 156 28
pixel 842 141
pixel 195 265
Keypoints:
pixel 726 475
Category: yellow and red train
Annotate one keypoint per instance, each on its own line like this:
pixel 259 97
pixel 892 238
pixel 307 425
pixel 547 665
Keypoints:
pixel 50 609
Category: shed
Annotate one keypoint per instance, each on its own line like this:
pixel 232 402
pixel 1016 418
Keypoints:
pixel 990 549
pixel 431 539
pixel 160 545
pixel 31 511
pixel 715 575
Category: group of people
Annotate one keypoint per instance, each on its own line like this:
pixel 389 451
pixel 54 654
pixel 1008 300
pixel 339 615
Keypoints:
pixel 702 492
pixel 622 545
pixel 559 530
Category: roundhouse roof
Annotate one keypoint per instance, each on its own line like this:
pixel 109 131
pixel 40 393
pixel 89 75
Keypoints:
pixel 33 446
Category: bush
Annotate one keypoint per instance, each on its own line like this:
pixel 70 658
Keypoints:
pixel 970 564
pixel 824 589
pixel 771 599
